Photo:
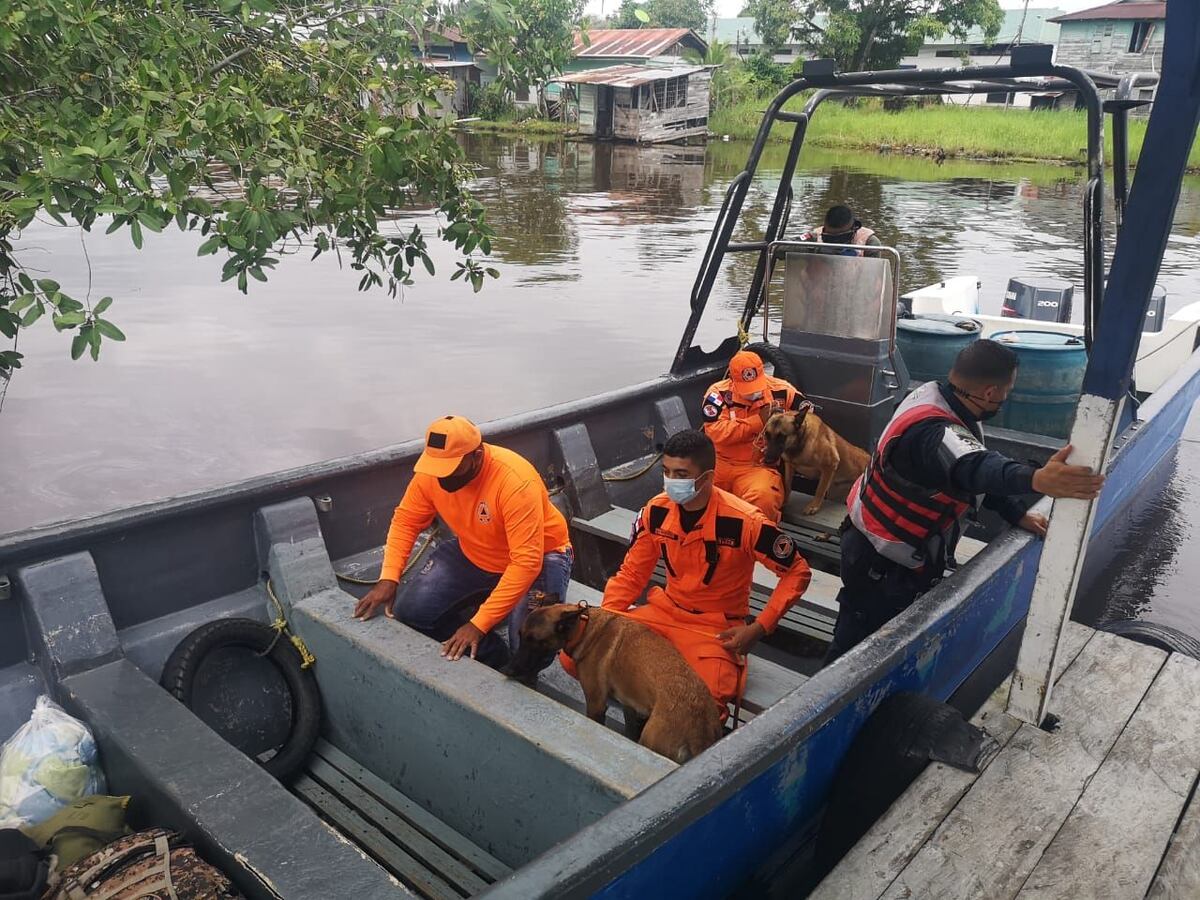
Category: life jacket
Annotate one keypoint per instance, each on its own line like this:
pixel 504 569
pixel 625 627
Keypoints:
pixel 909 523
pixel 734 426
pixel 861 235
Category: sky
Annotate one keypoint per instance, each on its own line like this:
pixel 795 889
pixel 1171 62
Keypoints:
pixel 733 7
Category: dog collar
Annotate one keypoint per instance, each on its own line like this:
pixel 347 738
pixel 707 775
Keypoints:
pixel 573 641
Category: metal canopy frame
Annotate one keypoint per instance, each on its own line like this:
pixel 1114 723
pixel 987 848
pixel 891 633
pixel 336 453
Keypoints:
pixel 1028 73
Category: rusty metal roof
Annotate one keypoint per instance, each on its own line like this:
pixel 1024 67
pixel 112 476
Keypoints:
pixel 628 76
pixel 634 42
pixel 1128 10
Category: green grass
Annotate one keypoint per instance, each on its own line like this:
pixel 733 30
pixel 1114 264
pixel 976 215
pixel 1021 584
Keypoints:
pixel 527 126
pixel 974 132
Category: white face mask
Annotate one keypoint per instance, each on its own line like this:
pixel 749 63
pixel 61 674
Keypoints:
pixel 755 397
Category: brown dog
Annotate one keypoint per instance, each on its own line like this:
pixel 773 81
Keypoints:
pixel 809 447
pixel 619 657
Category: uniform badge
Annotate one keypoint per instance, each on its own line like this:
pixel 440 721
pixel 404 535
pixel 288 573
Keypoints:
pixel 483 513
pixel 782 548
pixel 749 373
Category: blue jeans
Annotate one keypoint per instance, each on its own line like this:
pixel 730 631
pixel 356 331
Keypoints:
pixel 449 588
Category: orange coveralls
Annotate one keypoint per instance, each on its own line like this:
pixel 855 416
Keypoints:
pixel 734 426
pixel 709 572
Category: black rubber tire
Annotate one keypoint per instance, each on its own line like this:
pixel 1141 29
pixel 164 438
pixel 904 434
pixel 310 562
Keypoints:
pixel 773 355
pixel 179 675
pixel 1164 637
pixel 888 752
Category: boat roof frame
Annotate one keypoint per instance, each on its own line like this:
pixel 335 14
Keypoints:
pixel 1031 71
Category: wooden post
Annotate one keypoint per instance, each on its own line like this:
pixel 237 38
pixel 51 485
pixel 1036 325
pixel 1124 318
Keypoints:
pixel 1136 261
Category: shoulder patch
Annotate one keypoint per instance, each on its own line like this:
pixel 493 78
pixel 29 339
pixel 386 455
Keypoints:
pixel 780 396
pixel 713 403
pixel 729 531
pixel 775 544
pixel 636 530
pixel 958 441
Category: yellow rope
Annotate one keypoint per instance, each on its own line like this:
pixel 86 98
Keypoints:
pixel 425 545
pixel 743 334
pixel 637 474
pixel 281 626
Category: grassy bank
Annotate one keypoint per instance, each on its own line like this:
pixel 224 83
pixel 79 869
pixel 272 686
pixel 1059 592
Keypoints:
pixel 527 126
pixel 975 132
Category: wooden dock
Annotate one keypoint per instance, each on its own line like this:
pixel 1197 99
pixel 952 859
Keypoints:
pixel 1102 807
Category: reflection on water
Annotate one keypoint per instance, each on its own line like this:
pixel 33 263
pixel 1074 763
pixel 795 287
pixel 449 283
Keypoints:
pixel 598 248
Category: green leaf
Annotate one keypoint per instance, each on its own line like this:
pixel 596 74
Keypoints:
pixel 212 245
pixel 35 313
pixel 428 263
pixel 150 221
pixel 384 131
pixel 21 302
pixel 69 320
pixel 78 344
pixel 641 15
pixel 84 150
pixel 135 232
pixel 104 304
pixel 25 281
pixel 48 285
pixel 109 330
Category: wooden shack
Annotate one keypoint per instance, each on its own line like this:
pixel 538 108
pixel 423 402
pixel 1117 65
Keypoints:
pixel 647 104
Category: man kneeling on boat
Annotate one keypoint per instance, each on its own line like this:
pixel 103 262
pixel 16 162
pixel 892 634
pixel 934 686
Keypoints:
pixel 708 541
pixel 734 412
pixel 926 474
pixel 509 542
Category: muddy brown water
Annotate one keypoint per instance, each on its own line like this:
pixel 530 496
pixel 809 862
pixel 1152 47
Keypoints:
pixel 598 249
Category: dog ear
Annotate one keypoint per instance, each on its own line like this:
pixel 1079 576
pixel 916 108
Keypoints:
pixel 540 599
pixel 567 621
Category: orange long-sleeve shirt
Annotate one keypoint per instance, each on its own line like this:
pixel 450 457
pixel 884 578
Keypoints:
pixel 504 522
pixel 734 424
pixel 711 567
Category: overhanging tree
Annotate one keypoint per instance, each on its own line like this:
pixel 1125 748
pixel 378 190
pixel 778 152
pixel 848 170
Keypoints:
pixel 876 34
pixel 693 14
pixel 265 126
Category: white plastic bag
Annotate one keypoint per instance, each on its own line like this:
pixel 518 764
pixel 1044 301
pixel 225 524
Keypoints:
pixel 50 762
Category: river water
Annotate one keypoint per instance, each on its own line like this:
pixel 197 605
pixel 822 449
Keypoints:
pixel 598 249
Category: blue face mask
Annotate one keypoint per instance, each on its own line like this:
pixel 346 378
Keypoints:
pixel 681 490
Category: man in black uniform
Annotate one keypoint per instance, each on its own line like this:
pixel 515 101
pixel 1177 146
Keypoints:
pixel 928 471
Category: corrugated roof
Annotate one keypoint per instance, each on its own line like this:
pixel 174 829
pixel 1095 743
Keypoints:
pixel 633 42
pixel 1129 10
pixel 628 76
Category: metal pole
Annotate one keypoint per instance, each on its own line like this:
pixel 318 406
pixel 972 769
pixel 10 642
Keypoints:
pixel 1138 256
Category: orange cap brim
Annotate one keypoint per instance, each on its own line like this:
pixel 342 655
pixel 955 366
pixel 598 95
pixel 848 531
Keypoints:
pixel 436 466
pixel 741 388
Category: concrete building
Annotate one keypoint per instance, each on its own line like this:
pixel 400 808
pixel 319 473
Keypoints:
pixel 744 41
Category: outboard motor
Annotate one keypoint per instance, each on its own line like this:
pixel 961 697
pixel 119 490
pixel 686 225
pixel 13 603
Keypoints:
pixel 1156 311
pixel 1041 299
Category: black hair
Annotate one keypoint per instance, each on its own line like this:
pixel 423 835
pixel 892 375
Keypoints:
pixel 693 445
pixel 984 362
pixel 839 217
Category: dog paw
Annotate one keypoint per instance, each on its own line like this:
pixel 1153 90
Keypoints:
pixel 812 509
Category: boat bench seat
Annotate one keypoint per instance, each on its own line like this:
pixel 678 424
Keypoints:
pixel 767 682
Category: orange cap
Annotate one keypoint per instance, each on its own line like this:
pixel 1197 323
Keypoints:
pixel 447 441
pixel 746 373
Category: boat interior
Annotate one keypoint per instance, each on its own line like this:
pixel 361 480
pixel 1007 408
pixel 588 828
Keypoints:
pixel 432 778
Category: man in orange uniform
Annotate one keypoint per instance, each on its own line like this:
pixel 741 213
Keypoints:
pixel 708 541
pixel 509 541
pixel 734 413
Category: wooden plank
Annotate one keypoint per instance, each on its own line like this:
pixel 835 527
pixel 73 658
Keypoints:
pixel 884 851
pixel 1178 875
pixel 373 841
pixel 399 830
pixel 767 683
pixel 994 837
pixel 480 859
pixel 1111 844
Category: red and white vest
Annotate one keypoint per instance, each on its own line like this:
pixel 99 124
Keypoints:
pixel 901 519
pixel 860 237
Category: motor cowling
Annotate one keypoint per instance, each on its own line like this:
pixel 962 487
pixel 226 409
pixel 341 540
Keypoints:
pixel 1040 299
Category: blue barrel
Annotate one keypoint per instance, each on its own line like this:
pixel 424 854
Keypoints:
pixel 929 344
pixel 1048 382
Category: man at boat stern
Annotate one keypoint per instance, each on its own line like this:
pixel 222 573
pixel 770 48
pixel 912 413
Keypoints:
pixel 840 227
pixel 734 412
pixel 708 541
pixel 929 470
pixel 508 542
